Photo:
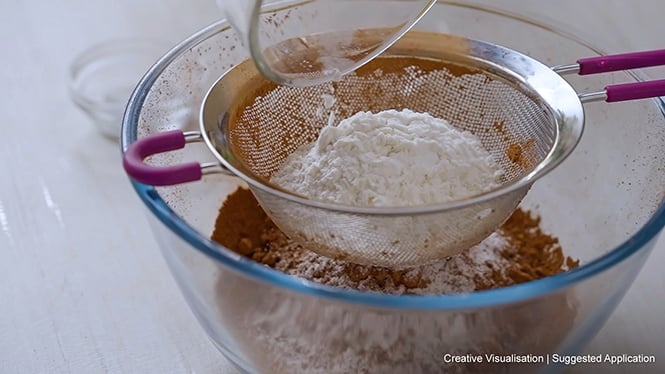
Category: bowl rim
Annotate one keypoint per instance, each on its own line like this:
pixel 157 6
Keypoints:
pixel 247 267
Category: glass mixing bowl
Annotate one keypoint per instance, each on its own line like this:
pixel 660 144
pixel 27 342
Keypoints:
pixel 604 203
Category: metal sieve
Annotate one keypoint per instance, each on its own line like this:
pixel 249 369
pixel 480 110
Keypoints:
pixel 525 114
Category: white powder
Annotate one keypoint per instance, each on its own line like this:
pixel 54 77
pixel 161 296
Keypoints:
pixel 454 275
pixel 391 158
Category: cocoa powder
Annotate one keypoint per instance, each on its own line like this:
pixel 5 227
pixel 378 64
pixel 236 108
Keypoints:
pixel 522 252
pixel 514 153
pixel 241 224
pixel 285 333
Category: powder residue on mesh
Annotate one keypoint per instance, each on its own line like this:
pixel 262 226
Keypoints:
pixel 390 158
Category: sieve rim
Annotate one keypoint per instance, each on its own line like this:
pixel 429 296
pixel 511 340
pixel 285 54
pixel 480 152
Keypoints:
pixel 638 242
pixel 555 96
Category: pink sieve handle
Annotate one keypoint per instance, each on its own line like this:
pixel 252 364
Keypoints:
pixel 634 91
pixel 138 170
pixel 625 61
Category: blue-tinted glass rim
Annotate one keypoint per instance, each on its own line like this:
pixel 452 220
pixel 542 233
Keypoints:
pixel 224 256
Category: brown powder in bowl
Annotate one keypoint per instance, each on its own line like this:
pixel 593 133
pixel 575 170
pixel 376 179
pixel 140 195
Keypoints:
pixel 284 332
pixel 518 252
pixel 241 223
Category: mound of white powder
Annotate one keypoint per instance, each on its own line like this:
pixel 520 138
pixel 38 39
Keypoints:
pixel 390 158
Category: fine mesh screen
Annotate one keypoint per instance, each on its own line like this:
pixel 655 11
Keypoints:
pixel 258 124
pixel 274 121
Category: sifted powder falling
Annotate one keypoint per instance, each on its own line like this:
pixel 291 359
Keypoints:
pixel 391 158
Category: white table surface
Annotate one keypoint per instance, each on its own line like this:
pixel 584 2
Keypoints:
pixel 83 287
